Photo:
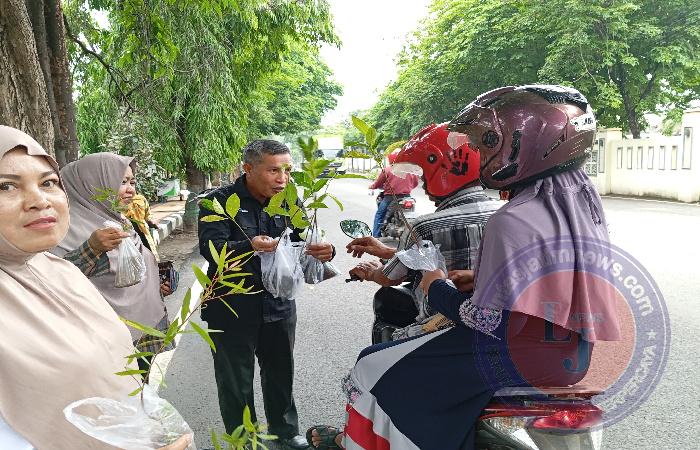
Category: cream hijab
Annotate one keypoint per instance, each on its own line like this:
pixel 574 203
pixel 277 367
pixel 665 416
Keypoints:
pixel 59 340
pixel 141 302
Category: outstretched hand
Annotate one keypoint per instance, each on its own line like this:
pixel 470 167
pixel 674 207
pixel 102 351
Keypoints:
pixel 322 251
pixel 369 245
pixel 429 277
pixel 463 279
pixel 364 270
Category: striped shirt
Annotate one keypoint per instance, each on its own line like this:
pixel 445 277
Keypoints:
pixel 457 226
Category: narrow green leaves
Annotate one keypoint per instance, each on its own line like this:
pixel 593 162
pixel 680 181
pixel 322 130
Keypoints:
pixel 204 334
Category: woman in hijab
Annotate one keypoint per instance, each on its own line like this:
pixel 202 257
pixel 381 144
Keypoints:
pixel 512 330
pixel 92 246
pixel 59 340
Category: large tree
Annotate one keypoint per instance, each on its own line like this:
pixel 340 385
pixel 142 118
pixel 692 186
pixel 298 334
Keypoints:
pixel 191 72
pixel 630 57
pixel 34 75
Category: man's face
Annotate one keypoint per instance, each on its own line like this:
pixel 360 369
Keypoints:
pixel 270 175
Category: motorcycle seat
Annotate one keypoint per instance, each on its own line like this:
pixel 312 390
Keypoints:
pixel 577 390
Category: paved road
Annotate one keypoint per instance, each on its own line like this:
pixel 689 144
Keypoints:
pixel 334 325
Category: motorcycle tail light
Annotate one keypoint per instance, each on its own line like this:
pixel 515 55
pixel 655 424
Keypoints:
pixel 576 418
pixel 408 204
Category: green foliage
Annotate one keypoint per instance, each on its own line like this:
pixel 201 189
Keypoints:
pixel 629 57
pixel 195 72
pixel 295 97
pixel 248 434
pixel 110 198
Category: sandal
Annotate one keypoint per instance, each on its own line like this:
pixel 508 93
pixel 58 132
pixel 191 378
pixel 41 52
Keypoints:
pixel 327 434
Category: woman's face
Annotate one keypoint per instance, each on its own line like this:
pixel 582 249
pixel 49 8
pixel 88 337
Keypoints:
pixel 127 190
pixel 33 207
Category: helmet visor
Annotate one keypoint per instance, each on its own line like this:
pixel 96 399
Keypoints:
pixel 403 169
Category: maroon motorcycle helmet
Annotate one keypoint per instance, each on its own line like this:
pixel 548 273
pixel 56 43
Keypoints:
pixel 525 133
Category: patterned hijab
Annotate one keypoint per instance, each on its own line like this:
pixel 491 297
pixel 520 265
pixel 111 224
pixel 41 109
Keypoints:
pixel 82 180
pixel 59 340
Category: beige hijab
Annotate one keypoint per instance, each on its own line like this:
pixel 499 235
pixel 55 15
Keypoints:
pixel 82 179
pixel 59 340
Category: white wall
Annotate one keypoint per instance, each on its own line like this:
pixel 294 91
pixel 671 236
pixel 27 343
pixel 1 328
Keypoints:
pixel 663 178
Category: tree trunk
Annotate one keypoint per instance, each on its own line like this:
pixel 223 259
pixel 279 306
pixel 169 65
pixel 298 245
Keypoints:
pixel 23 102
pixel 627 102
pixel 66 133
pixel 35 77
pixel 50 37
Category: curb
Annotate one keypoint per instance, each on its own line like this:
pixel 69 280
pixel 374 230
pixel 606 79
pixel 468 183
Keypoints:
pixel 167 225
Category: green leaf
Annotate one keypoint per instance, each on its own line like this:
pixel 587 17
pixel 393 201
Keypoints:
pixel 136 392
pixel 185 308
pixel 298 221
pixel 317 205
pixel 137 355
pixel 320 184
pixel 144 328
pixel 337 202
pixel 201 276
pixel 131 372
pixel 393 146
pixel 301 179
pixel 214 253
pixel 217 206
pixel 212 218
pixel 229 307
pixel 206 203
pixel 233 205
pixel 204 334
pixel 267 437
pixel 291 195
pixel 356 154
pixel 360 124
pixel 172 331
pixel 276 211
pixel 351 175
pixel 353 144
pixel 247 421
pixel 221 262
pixel 215 441
pixel 371 137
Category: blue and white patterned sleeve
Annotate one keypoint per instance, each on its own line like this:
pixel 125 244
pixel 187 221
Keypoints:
pixel 457 306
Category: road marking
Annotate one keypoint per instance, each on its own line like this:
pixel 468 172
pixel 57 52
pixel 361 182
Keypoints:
pixel 162 361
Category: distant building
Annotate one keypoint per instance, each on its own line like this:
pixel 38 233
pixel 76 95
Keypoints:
pixel 656 166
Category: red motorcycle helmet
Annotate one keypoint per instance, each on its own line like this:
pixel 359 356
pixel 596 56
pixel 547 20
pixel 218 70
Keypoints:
pixel 444 169
pixel 392 156
pixel 525 133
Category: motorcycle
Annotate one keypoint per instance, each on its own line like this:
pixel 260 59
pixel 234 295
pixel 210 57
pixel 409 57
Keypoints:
pixel 516 418
pixel 392 225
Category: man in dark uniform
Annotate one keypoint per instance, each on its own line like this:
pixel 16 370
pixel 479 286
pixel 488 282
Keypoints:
pixel 265 325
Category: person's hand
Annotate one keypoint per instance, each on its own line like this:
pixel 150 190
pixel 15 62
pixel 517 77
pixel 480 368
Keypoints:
pixel 106 239
pixel 264 244
pixel 165 289
pixel 364 270
pixel 371 245
pixel 463 279
pixel 429 277
pixel 181 444
pixel 323 251
pixel 152 224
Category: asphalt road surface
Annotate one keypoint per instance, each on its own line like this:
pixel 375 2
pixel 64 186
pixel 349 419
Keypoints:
pixel 334 320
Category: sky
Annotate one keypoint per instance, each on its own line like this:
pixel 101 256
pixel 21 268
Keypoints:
pixel 372 32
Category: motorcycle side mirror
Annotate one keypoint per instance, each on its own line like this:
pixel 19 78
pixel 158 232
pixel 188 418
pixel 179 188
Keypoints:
pixel 355 228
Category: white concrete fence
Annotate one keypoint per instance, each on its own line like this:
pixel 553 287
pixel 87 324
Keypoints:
pixel 656 166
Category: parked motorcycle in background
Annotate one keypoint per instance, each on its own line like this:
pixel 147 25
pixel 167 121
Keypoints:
pixel 516 418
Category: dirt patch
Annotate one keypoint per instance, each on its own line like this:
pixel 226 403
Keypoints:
pixel 177 247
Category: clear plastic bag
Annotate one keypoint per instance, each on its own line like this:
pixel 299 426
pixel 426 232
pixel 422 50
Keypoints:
pixel 282 275
pixel 131 267
pixel 130 424
pixel 314 270
pixel 423 256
